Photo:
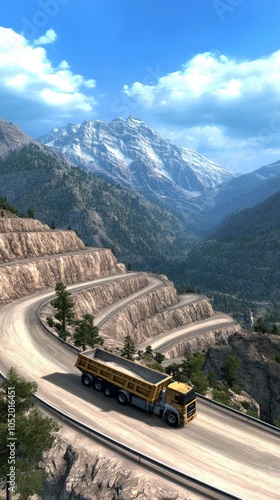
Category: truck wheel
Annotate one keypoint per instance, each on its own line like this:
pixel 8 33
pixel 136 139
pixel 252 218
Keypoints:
pixel 107 392
pixel 98 384
pixel 86 380
pixel 122 398
pixel 171 419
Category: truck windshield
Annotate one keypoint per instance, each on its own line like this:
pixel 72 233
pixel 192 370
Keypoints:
pixel 184 399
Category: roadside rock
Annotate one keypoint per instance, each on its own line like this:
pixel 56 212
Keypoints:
pixel 78 473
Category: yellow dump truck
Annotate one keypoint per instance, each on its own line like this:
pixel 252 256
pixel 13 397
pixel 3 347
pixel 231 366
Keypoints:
pixel 139 385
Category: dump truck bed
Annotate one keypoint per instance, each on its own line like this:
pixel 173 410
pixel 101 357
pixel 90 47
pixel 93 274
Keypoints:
pixel 137 379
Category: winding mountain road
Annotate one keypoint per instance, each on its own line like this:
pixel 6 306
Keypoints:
pixel 216 447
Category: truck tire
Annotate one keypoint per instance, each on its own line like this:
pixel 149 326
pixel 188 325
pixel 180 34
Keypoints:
pixel 98 384
pixel 86 380
pixel 171 419
pixel 107 391
pixel 122 398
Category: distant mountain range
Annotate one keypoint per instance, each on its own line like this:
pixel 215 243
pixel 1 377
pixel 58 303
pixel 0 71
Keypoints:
pixel 123 186
pixel 33 176
pixel 132 154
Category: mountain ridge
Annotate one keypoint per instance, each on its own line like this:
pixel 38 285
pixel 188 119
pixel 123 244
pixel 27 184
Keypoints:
pixel 132 154
pixel 104 214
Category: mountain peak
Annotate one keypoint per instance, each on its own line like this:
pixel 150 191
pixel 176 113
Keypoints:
pixel 134 119
pixel 12 139
pixel 132 154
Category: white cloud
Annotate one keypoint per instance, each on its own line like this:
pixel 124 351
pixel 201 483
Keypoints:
pixel 49 37
pixel 218 104
pixel 33 88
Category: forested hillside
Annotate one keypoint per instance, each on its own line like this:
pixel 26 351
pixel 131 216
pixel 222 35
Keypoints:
pixel 61 195
pixel 242 257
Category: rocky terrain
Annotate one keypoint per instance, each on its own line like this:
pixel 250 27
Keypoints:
pixel 12 139
pixel 27 245
pixel 34 257
pixel 201 342
pixel 156 312
pixel 80 469
pixel 37 259
pixel 259 372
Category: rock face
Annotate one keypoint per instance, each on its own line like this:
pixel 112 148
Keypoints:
pixel 39 268
pixel 259 373
pixel 16 224
pixel 27 245
pixel 155 312
pixel 88 472
pixel 201 342
pixel 96 298
pixel 25 278
pixel 12 139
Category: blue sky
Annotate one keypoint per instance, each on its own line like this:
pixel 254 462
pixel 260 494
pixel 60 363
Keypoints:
pixel 203 73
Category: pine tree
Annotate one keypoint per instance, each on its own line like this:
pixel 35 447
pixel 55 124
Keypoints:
pixel 64 306
pixel 24 435
pixel 86 333
pixel 128 348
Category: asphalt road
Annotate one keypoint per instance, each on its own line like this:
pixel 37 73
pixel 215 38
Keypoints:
pixel 216 447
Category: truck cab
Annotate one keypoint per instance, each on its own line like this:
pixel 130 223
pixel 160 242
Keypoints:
pixel 182 397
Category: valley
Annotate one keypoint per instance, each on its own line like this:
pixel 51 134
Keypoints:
pixel 158 207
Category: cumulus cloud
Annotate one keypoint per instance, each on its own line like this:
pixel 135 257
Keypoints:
pixel 217 102
pixel 32 87
pixel 49 37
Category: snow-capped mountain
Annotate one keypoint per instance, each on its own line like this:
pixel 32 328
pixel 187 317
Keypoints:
pixel 132 154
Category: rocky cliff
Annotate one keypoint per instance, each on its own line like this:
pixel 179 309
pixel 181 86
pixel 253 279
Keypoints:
pixel 259 373
pixel 25 278
pixel 27 245
pixel 96 298
pixel 80 469
pixel 37 267
pixel 17 224
pixel 12 139
pixel 154 313
pixel 201 342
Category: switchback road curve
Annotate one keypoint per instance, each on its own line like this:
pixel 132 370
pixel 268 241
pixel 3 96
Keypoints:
pixel 216 448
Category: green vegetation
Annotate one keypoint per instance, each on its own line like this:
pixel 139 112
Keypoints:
pixel 151 359
pixel 260 325
pixel 128 348
pixel 5 205
pixel 277 422
pixel 191 371
pixel 22 452
pixel 143 234
pixel 238 264
pixel 230 369
pixel 64 306
pixel 221 395
pixel 86 333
